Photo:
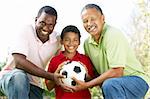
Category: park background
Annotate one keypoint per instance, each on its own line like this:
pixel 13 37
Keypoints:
pixel 130 16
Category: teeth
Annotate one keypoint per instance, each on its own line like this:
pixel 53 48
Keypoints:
pixel 91 28
pixel 43 32
pixel 71 47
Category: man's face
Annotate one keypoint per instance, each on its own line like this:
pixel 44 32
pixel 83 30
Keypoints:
pixel 93 21
pixel 45 24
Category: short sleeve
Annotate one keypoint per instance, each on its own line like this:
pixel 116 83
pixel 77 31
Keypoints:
pixel 116 49
pixel 51 66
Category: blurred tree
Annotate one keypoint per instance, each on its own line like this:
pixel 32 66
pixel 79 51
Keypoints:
pixel 140 39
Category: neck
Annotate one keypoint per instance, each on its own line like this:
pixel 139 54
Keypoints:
pixel 43 38
pixel 69 55
pixel 96 38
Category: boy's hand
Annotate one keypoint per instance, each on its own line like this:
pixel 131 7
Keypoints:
pixel 60 66
pixel 81 85
pixel 66 88
pixel 57 79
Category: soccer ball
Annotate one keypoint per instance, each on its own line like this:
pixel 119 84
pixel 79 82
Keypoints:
pixel 73 69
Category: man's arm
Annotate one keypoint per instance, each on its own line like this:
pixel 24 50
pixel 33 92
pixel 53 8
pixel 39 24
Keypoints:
pixel 24 64
pixel 111 73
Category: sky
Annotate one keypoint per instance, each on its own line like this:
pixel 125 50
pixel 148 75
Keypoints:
pixel 17 13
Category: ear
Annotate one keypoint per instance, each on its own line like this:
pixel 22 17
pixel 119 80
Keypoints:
pixel 79 41
pixel 36 19
pixel 61 42
pixel 103 18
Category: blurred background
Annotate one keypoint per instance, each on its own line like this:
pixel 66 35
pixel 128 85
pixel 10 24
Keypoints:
pixel 130 16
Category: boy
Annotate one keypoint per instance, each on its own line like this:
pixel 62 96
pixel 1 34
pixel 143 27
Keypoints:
pixel 70 39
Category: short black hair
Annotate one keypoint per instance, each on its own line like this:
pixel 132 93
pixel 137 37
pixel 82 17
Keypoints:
pixel 93 6
pixel 48 10
pixel 70 28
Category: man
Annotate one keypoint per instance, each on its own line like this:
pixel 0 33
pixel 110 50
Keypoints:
pixel 20 78
pixel 121 75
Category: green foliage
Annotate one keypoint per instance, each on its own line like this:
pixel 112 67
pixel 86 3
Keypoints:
pixel 49 93
pixel 2 64
pixel 96 93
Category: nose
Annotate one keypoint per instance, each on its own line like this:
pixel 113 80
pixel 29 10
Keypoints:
pixel 46 28
pixel 71 42
pixel 89 24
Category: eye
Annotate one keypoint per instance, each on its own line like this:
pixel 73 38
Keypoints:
pixel 42 23
pixel 76 40
pixel 85 21
pixel 66 39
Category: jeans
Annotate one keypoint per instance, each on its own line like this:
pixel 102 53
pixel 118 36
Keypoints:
pixel 15 85
pixel 127 87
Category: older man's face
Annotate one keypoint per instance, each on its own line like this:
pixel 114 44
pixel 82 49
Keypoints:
pixel 93 21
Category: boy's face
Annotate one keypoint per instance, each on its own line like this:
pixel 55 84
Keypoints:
pixel 71 42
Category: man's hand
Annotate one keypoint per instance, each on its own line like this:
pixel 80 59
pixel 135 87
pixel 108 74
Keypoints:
pixel 57 78
pixel 81 85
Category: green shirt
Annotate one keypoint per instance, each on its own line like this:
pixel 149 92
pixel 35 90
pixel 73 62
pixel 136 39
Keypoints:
pixel 113 51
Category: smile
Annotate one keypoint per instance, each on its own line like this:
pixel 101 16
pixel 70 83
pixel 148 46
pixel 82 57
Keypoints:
pixel 45 33
pixel 91 28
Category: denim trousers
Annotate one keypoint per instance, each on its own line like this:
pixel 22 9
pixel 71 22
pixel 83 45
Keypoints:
pixel 15 85
pixel 127 87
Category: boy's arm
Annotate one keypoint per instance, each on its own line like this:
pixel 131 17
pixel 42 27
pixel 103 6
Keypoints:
pixel 49 83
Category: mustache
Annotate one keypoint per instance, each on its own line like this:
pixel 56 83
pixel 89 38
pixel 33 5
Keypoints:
pixel 90 26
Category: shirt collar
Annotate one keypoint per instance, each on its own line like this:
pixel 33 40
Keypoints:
pixel 91 39
pixel 77 56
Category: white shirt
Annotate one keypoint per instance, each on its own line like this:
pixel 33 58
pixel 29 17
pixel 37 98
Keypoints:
pixel 28 44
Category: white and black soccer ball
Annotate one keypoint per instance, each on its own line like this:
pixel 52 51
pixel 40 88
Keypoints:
pixel 73 69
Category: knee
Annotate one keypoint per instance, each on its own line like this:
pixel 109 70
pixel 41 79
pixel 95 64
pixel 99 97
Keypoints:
pixel 18 85
pixel 109 84
pixel 19 78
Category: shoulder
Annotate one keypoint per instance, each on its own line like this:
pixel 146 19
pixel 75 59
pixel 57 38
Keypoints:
pixel 28 27
pixel 113 32
pixel 57 57
pixel 86 41
pixel 55 36
pixel 26 30
pixel 84 57
pixel 54 58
